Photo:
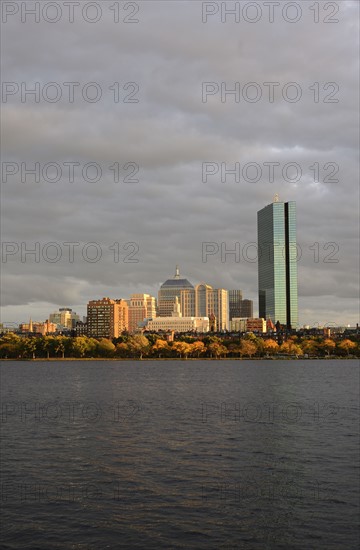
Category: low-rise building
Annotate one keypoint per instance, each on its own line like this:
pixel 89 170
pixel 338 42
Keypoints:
pixel 177 322
pixel 240 324
pixel 81 329
pixel 35 327
pixel 181 324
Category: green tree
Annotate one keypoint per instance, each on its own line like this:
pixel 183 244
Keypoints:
pixel 122 350
pixel 28 348
pixel 260 346
pixel 80 346
pixel 138 345
pixel 151 338
pixel 48 345
pixel 62 345
pixel 10 345
pixel 211 339
pixel 105 348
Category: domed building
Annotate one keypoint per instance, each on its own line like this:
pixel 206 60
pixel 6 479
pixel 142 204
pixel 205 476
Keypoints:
pixel 169 291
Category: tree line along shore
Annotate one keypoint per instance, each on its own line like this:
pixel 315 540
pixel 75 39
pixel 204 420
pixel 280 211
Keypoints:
pixel 154 346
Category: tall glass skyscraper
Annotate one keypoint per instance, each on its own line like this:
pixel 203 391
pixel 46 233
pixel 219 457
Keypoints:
pixel 277 263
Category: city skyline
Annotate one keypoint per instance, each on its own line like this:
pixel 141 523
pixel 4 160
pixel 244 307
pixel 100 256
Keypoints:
pixel 237 306
pixel 253 305
pixel 176 146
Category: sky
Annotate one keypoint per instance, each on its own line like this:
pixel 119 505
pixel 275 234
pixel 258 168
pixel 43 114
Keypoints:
pixel 133 132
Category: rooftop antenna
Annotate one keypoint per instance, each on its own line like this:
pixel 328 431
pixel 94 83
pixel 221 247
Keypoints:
pixel 276 197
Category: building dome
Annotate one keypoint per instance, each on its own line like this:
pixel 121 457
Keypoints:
pixel 176 282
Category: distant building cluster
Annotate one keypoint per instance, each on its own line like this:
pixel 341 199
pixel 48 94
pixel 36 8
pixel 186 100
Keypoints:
pixel 182 307
pixel 179 307
pixel 65 318
pixel 38 328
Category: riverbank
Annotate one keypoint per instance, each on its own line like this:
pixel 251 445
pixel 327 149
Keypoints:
pixel 144 359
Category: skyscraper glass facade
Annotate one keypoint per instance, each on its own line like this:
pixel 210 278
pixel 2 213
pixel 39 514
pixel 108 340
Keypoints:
pixel 277 264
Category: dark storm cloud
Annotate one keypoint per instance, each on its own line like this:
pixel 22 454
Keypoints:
pixel 169 133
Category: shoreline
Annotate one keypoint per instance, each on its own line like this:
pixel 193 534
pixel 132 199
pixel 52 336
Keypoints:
pixel 122 359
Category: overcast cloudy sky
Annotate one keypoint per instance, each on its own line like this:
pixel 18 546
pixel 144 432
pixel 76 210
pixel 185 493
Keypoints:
pixel 174 127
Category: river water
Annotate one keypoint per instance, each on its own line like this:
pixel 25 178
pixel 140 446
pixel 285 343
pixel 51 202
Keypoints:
pixel 180 454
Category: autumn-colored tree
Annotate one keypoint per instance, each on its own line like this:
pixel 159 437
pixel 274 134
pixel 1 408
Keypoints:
pixel 309 346
pixel 160 346
pixel 198 348
pixel 328 345
pixel 235 349
pixel 347 345
pixel 270 346
pixel 217 350
pixel 182 348
pixel 289 347
pixel 247 348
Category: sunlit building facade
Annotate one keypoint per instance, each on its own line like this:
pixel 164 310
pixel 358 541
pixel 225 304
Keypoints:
pixel 277 263
pixel 169 291
pixel 141 307
pixel 177 323
pixel 64 318
pixel 248 325
pixel 107 318
pixel 206 301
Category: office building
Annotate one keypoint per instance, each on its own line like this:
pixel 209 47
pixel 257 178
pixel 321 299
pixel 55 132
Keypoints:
pixel 235 299
pixel 238 307
pixel 65 318
pixel 107 318
pixel 277 263
pixel 169 291
pixel 206 301
pixel 141 307
pixel 246 308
